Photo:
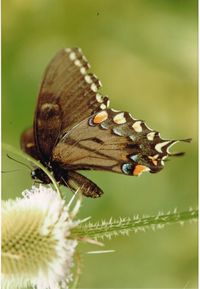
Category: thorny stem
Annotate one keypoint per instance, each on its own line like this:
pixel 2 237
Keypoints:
pixel 122 226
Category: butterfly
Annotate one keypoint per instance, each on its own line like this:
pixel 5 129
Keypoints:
pixel 74 129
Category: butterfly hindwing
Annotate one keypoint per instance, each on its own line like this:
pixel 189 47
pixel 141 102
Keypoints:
pixel 113 141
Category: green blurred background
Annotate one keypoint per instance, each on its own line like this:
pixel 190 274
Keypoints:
pixel 145 53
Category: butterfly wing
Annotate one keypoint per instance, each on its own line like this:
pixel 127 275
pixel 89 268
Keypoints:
pixel 74 125
pixel 107 151
pixel 74 128
pixel 68 95
pixel 113 141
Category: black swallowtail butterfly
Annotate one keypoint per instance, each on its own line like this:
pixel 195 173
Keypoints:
pixel 74 129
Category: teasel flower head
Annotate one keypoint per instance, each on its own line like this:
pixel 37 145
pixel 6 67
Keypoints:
pixel 37 247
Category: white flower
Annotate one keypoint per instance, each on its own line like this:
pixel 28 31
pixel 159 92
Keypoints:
pixel 36 247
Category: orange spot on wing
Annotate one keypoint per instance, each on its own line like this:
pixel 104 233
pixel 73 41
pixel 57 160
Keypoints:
pixel 100 117
pixel 139 169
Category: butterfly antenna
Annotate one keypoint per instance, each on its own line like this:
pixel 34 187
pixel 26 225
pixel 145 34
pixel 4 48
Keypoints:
pixel 17 161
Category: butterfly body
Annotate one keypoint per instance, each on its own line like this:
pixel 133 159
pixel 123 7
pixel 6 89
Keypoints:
pixel 74 129
pixel 71 179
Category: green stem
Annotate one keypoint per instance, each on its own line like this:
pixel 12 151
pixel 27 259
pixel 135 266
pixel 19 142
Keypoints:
pixel 122 226
pixel 23 155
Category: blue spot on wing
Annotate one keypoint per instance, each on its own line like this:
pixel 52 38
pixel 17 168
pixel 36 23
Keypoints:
pixel 127 168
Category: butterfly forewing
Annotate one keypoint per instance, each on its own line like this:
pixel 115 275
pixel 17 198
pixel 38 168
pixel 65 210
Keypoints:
pixel 68 95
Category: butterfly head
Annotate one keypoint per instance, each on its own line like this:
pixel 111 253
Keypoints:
pixel 39 174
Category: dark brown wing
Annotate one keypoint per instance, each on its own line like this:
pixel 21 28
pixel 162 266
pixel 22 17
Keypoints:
pixel 113 141
pixel 68 95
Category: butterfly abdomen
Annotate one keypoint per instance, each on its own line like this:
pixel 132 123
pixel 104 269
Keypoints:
pixel 78 182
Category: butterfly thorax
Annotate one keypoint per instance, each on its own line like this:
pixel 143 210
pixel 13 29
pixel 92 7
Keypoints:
pixel 69 178
pixel 59 174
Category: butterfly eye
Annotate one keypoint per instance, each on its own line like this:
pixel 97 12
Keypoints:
pixel 33 175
